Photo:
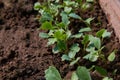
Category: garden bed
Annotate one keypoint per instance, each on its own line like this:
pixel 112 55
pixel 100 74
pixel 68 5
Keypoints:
pixel 24 55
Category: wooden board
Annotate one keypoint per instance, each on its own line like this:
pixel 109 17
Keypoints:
pixel 112 11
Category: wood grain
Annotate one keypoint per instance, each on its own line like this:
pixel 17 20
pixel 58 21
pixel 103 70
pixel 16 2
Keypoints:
pixel 112 11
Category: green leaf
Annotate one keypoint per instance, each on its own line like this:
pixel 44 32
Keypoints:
pixel 60 35
pixel 56 50
pixel 52 74
pixel 67 9
pixel 43 35
pixel 68 33
pixel 74 61
pixel 74 76
pixel 111 57
pixel 75 47
pixel 51 32
pixel 100 33
pixel 65 18
pixel 83 73
pixel 96 41
pixel 91 56
pixel 74 15
pixel 85 6
pixel 61 25
pixel 37 6
pixel 69 3
pixel 61 45
pixel 106 34
pixel 103 33
pixel 53 9
pixel 47 26
pixel 65 57
pixel 72 54
pixel 79 35
pixel 114 72
pixel 101 70
pixel 107 78
pixel 90 1
pixel 57 1
pixel 73 50
pixel 88 21
pixel 46 17
pixel 90 49
pixel 85 39
pixel 84 30
pixel 79 1
pixel 51 41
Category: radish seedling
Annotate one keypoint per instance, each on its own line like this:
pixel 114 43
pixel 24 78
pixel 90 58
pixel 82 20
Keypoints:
pixel 111 57
pixel 85 5
pixel 52 74
pixel 93 47
pixel 55 17
pixel 71 54
pixel 103 34
pixel 58 32
pixel 103 72
pixel 81 73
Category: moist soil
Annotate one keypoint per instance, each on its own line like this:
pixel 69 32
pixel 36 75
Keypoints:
pixel 24 55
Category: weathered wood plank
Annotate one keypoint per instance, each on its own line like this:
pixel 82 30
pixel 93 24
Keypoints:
pixel 112 11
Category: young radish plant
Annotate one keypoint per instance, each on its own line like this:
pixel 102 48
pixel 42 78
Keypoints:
pixel 105 34
pixel 103 72
pixel 85 4
pixel 52 11
pixel 55 19
pixel 81 73
pixel 93 45
pixel 59 33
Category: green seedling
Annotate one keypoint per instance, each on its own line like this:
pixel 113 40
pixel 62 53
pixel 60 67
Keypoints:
pixel 107 78
pixel 75 16
pixel 111 57
pixel 56 35
pixel 51 11
pixel 93 47
pixel 37 6
pixel 74 76
pixel 71 54
pixel 59 37
pixel 52 74
pixel 81 73
pixel 85 5
pixel 91 1
pixel 48 11
pixel 68 3
pixel 55 18
pixel 103 72
pixel 81 32
pixel 103 34
pixel 58 32
pixel 88 21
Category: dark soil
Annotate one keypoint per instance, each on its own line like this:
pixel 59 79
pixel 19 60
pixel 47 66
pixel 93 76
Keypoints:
pixel 24 55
